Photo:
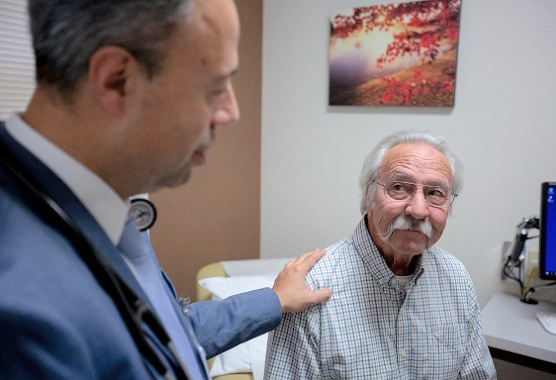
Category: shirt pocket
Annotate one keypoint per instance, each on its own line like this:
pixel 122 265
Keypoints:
pixel 446 350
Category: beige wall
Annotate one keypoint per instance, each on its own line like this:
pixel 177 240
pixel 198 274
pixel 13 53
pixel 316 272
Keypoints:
pixel 216 215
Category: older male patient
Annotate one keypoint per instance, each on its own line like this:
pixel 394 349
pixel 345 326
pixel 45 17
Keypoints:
pixel 401 307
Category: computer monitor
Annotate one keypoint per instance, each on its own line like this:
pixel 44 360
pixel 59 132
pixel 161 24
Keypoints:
pixel 547 252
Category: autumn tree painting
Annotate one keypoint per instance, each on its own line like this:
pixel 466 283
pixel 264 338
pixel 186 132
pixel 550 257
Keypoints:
pixel 395 55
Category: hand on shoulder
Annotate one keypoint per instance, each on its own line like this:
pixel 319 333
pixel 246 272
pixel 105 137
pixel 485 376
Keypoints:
pixel 291 287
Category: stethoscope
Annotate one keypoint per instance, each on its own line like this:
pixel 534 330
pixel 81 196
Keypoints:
pixel 134 311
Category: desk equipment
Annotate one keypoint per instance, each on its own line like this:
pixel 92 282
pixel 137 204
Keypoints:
pixel 513 332
pixel 547 252
pixel 513 266
pixel 548 321
pixel 521 237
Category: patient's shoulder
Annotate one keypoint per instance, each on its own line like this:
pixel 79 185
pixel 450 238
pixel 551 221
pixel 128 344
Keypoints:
pixel 442 259
pixel 446 267
pixel 338 256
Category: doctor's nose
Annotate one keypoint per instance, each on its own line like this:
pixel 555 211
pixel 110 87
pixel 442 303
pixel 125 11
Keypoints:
pixel 228 110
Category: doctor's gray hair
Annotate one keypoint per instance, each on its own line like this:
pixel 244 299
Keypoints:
pixel 374 160
pixel 66 33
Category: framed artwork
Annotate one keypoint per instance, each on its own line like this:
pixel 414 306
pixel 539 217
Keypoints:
pixel 395 55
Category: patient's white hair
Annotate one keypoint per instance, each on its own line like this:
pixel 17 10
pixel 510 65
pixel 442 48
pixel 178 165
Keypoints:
pixel 374 160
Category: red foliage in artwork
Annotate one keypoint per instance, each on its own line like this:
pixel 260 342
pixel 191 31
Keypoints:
pixel 428 31
pixel 428 23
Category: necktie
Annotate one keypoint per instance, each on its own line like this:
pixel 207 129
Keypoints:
pixel 136 247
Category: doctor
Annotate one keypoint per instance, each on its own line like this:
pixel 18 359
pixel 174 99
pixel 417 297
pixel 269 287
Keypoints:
pixel 129 96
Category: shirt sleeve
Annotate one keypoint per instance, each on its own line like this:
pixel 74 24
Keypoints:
pixel 478 363
pixel 293 348
pixel 221 325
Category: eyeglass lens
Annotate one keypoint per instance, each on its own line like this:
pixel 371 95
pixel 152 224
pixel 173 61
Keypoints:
pixel 437 196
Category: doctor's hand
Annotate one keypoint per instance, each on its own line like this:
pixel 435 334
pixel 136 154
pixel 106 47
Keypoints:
pixel 291 288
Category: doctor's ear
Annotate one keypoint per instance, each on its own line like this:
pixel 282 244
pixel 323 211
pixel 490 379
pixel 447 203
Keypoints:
pixel 112 76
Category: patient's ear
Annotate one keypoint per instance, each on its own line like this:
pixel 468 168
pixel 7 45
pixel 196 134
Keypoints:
pixel 113 75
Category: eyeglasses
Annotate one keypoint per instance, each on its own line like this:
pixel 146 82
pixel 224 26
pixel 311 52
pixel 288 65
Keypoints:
pixel 400 191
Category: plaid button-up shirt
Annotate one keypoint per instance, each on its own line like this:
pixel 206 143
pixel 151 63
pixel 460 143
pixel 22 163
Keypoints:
pixel 374 327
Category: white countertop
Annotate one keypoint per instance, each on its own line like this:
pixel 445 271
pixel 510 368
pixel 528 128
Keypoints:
pixel 511 325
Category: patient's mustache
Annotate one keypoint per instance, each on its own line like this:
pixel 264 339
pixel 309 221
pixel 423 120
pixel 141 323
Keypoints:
pixel 403 223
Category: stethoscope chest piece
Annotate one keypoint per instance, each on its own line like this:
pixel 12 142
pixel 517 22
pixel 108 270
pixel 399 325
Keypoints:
pixel 143 213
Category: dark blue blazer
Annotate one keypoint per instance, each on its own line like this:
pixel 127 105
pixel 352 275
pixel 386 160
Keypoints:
pixel 56 321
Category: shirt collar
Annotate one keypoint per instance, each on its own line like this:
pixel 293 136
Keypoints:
pixel 373 259
pixel 104 204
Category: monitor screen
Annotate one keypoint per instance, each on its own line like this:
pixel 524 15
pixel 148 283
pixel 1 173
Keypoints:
pixel 547 252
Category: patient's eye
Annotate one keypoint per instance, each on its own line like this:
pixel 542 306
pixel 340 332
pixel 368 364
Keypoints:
pixel 400 190
pixel 436 192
